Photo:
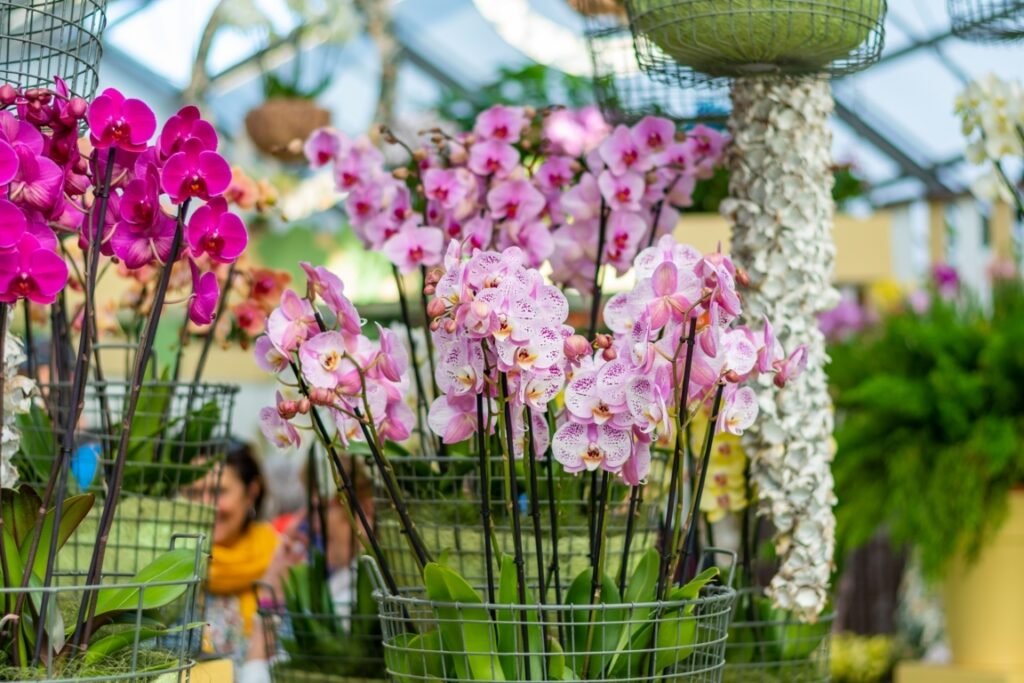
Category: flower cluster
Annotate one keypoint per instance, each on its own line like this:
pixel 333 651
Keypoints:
pixel 992 113
pixel 114 193
pixel 556 185
pixel 16 391
pixel 316 340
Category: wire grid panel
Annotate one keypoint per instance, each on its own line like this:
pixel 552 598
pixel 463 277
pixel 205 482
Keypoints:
pixel 40 39
pixel 315 647
pixel 765 649
pixel 443 496
pixel 146 658
pixel 987 20
pixel 426 640
pixel 688 41
pixel 625 93
pixel 170 483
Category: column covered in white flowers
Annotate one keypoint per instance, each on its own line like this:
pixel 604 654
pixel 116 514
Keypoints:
pixel 782 211
pixel 16 390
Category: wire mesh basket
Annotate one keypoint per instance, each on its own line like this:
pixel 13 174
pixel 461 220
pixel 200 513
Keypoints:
pixel 624 92
pixel 681 640
pixel 443 495
pixel 987 20
pixel 40 39
pixel 766 646
pixel 180 431
pixel 687 41
pixel 126 645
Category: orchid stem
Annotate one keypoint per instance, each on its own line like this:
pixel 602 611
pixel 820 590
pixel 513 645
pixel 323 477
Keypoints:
pixel 485 495
pixel 635 498
pixel 421 396
pixel 595 304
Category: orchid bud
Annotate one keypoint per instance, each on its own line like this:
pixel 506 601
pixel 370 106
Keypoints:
pixel 742 278
pixel 429 290
pixel 420 155
pixel 436 308
pixel 602 341
pixel 77 107
pixel 780 380
pixel 321 397
pixel 400 173
pixel 303 406
pixel 526 144
pixel 435 325
pixel 529 112
pixel 576 347
pixel 287 409
pixel 609 354
pixel 434 276
pixel 469 139
pixel 732 376
pixel 450 327
pixel 8 94
pixel 458 156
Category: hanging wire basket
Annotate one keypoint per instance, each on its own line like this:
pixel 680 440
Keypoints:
pixel 766 647
pixel 987 20
pixel 683 41
pixel 624 92
pixel 143 656
pixel 444 493
pixel 170 483
pixel 46 38
pixel 432 640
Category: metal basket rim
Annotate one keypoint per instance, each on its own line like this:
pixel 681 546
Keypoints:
pixel 224 387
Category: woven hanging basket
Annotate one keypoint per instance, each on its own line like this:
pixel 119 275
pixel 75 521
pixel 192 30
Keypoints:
pixel 736 38
pixel 987 20
pixel 42 39
pixel 280 126
pixel 625 93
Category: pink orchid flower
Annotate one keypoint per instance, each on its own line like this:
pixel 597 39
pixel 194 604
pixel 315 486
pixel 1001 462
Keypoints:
pixel 195 172
pixel 291 323
pixel 30 271
pixel 554 174
pixel 625 230
pixel 540 387
pixel 268 358
pixel 621 153
pixel 415 247
pixel 445 186
pixel 516 200
pixel 38 181
pixel 621 192
pixel 202 305
pixel 791 367
pixel 322 147
pixel 501 123
pixel 580 447
pixel 217 232
pixel 12 225
pixel 114 121
pixel 453 417
pixel 493 157
pixel 739 411
pixel 460 368
pixel 277 430
pixel 8 163
pixel 653 134
pixel 324 363
pixel 393 360
pixel 582 201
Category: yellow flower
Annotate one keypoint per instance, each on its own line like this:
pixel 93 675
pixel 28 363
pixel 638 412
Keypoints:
pixel 886 296
pixel 725 487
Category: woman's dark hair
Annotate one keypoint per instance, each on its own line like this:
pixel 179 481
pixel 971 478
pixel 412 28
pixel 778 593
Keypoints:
pixel 240 458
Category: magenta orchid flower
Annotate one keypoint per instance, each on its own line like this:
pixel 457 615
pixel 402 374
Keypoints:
pixel 516 200
pixel 415 247
pixel 114 121
pixel 493 157
pixel 580 447
pixel 186 125
pixel 8 163
pixel 501 123
pixel 322 147
pixel 195 171
pixel 215 231
pixel 205 291
pixel 446 186
pixel 621 153
pixel 31 271
pixel 138 245
pixel 38 181
pixel 12 225
pixel 621 192
pixel 653 134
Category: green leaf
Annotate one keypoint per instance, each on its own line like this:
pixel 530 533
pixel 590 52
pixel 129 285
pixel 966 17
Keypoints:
pixel 175 566
pixel 14 565
pixel 642 588
pixel 466 631
pixel 149 422
pixel 20 509
pixel 115 642
pixel 509 629
pixel 691 591
pixel 677 637
pixel 196 433
pixel 593 646
pixel 73 511
pixel 789 638
pixel 38 444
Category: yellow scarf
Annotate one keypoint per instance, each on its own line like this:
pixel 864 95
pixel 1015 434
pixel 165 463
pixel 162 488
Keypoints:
pixel 235 568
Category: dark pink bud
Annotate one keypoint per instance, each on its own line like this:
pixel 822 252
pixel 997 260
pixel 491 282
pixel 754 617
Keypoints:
pixel 609 354
pixel 287 409
pixel 450 327
pixel 436 308
pixel 429 290
pixel 321 397
pixel 303 406
pixel 742 278
pixel 435 325
pixel 603 341
pixel 434 276
pixel 576 347
pixel 732 376
pixel 8 94
pixel 77 107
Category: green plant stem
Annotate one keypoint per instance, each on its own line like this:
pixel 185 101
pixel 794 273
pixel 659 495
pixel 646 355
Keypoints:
pixel 595 304
pixel 59 475
pixel 531 464
pixel 142 358
pixel 485 495
pixel 30 351
pixel 597 577
pixel 553 569
pixel 689 546
pixel 635 499
pixel 505 426
pixel 421 396
pixel 677 463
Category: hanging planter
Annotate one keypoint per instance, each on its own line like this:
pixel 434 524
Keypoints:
pixel 280 126
pixel 179 433
pixel 46 39
pixel 756 37
pixel 624 92
pixel 987 20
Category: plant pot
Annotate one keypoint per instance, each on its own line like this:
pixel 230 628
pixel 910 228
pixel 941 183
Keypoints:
pixel 179 432
pixel 323 648
pixel 756 36
pixel 168 594
pixel 765 646
pixel 280 126
pixel 443 495
pixel 987 20
pixel 984 601
pixel 467 639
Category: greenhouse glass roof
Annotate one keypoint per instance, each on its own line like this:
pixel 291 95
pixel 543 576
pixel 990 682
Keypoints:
pixel 894 122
